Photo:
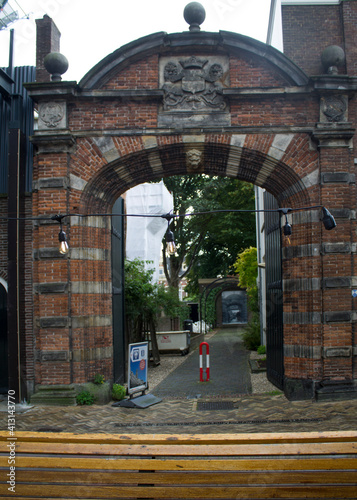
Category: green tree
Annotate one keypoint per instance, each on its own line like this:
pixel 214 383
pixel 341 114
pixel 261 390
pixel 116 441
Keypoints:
pixel 144 302
pixel 246 267
pixel 184 190
pixel 208 244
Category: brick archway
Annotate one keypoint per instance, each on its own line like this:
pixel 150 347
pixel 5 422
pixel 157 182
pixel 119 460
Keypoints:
pixel 220 156
pixel 126 123
pixel 268 161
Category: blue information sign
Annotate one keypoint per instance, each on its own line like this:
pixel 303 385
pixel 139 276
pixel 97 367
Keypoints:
pixel 138 367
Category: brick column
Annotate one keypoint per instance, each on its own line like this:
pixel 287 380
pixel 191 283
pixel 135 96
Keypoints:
pixel 338 193
pixel 47 41
pixel 51 269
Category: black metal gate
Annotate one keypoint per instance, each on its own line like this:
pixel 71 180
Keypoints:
pixel 274 294
pixel 118 292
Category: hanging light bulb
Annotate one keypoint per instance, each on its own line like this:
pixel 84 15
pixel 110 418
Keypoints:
pixel 64 248
pixel 62 238
pixel 170 242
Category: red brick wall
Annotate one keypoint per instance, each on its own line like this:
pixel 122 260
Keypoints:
pixel 139 76
pixel 349 17
pixel 308 30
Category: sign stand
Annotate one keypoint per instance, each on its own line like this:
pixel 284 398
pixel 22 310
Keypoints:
pixel 137 378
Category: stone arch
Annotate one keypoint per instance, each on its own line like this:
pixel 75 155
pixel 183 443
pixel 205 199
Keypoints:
pixel 270 167
pixel 163 43
pixel 274 165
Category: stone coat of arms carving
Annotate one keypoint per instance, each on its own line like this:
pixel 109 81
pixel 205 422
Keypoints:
pixel 334 108
pixel 52 115
pixel 193 84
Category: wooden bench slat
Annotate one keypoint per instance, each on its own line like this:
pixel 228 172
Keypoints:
pixel 182 439
pixel 181 492
pixel 117 463
pixel 179 477
pixel 186 450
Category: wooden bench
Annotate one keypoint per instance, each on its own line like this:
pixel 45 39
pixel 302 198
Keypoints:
pixel 251 466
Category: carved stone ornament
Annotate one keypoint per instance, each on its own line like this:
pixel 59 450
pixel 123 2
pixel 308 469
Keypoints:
pixel 193 159
pixel 193 84
pixel 51 115
pixel 333 108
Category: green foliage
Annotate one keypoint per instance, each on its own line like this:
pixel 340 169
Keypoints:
pixel 261 349
pixel 251 335
pixel 139 290
pixel 208 244
pixel 118 392
pixel 210 313
pixel 171 304
pixel 246 266
pixel 99 379
pixel 85 398
pixel 145 300
pixel 274 393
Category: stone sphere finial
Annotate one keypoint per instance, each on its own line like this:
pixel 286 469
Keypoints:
pixel 194 14
pixel 56 64
pixel 332 57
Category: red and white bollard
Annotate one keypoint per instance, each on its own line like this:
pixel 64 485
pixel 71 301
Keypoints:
pixel 207 362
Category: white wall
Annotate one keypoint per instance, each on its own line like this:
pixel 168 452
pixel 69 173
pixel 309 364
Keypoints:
pixel 144 234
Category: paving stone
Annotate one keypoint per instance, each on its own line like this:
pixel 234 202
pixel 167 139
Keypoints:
pixel 177 414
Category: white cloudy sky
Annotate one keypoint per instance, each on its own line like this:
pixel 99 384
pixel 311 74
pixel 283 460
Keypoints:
pixel 91 30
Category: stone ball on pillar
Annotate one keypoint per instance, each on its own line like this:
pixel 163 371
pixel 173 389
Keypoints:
pixel 332 58
pixel 56 64
pixel 194 14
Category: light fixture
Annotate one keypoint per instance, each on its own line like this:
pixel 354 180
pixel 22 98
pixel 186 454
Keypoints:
pixel 170 239
pixel 287 227
pixel 287 231
pixel 62 238
pixel 328 219
pixel 64 248
pixel 170 242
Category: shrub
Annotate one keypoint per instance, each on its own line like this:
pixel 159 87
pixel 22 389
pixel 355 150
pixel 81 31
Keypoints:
pixel 118 392
pixel 85 398
pixel 99 379
pixel 261 349
pixel 251 335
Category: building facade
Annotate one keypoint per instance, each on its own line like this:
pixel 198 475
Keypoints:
pixel 199 102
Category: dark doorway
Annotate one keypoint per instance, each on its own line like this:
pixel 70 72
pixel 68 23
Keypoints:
pixel 3 341
pixel 118 292
pixel 194 315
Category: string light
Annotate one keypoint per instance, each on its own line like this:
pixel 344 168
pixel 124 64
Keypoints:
pixel 62 238
pixel 327 219
pixel 170 239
